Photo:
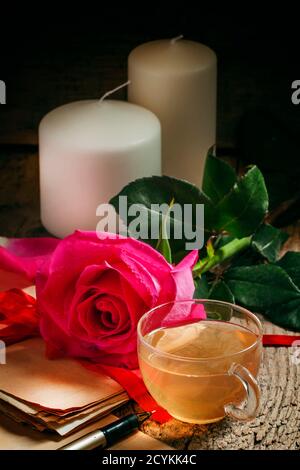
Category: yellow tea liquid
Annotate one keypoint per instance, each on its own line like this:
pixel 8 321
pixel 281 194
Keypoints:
pixel 194 390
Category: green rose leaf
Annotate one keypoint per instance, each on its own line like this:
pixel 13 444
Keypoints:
pixel 248 257
pixel 242 210
pixel 163 245
pixel 261 287
pixel 201 288
pixel 290 262
pixel 234 212
pixel 268 241
pixel 149 194
pixel 164 248
pixel 221 291
pixel 219 178
pixel 287 315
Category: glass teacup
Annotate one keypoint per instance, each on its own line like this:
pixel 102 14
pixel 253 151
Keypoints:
pixel 201 370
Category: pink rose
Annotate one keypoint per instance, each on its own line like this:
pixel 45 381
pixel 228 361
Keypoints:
pixel 91 293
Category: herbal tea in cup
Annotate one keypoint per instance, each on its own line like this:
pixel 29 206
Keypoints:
pixel 200 371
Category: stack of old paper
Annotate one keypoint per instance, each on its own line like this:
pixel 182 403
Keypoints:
pixel 15 436
pixel 59 395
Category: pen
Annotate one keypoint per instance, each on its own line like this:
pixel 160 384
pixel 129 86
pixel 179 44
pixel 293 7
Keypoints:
pixel 108 435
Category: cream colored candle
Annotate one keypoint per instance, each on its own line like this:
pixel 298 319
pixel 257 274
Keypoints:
pixel 176 79
pixel 89 150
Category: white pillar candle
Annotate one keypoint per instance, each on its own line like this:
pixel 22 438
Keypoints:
pixel 89 150
pixel 176 79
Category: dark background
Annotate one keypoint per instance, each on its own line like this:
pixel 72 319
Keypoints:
pixel 54 57
pixel 55 54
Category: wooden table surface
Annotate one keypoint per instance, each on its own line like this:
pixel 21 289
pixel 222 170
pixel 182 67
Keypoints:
pixel 277 425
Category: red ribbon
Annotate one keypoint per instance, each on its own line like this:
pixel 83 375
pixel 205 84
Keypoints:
pixel 135 388
pixel 280 340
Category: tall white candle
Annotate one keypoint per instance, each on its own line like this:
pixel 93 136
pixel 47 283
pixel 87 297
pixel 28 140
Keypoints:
pixel 176 79
pixel 89 150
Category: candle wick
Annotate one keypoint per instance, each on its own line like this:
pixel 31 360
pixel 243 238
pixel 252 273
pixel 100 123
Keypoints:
pixel 108 93
pixel 177 38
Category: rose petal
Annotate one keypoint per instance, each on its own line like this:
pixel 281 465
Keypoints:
pixel 18 316
pixel 183 276
pixel 21 258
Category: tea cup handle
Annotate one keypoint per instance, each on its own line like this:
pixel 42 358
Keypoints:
pixel 246 410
